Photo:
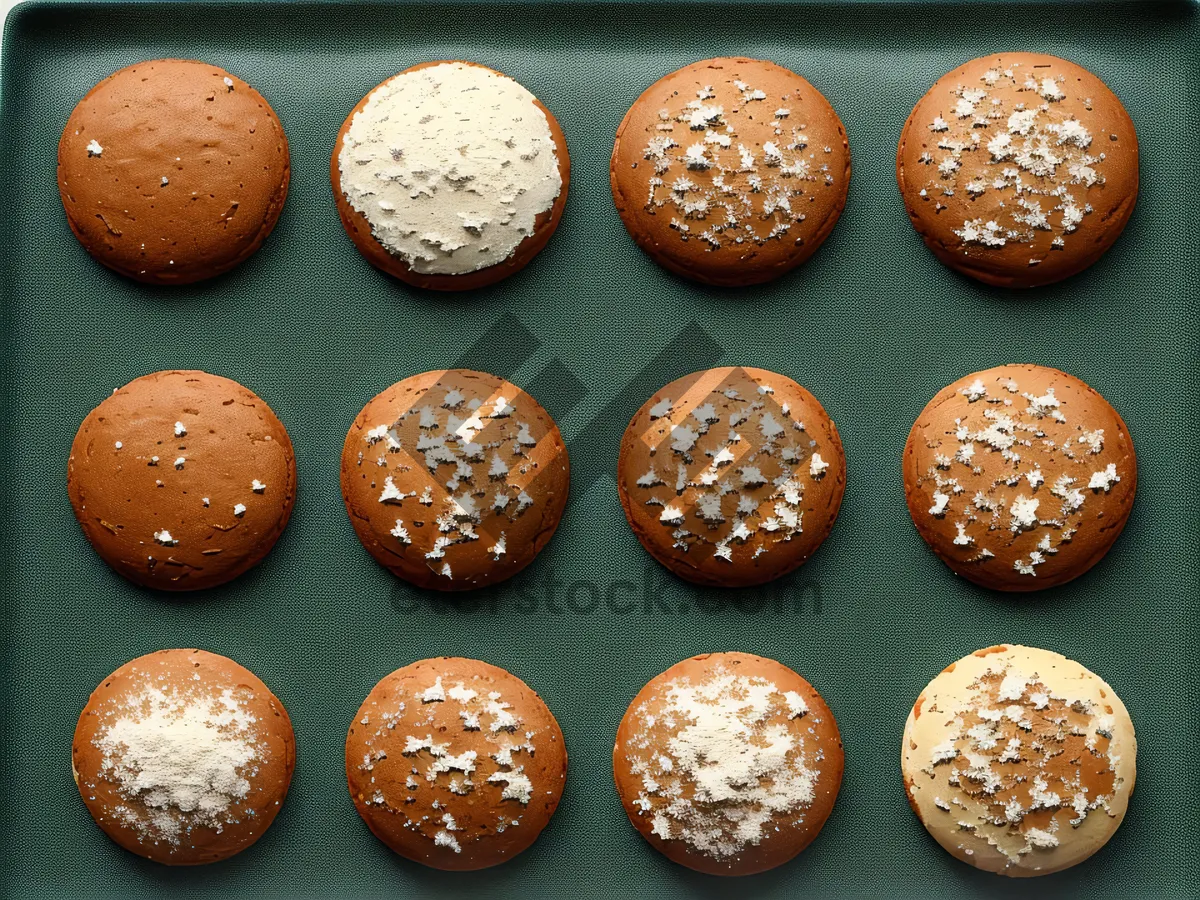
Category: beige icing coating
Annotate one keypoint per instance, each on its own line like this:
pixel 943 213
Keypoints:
pixel 1019 761
pixel 451 165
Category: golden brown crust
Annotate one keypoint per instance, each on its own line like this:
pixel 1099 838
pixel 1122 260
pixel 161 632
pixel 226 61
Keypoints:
pixel 1045 488
pixel 359 229
pixel 182 480
pixel 407 441
pixel 125 793
pixel 736 834
pixel 220 147
pixel 455 763
pixel 792 482
pixel 810 135
pixel 1094 185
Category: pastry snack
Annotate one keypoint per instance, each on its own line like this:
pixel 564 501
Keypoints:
pixel 172 171
pixel 728 763
pixel 454 479
pixel 182 480
pixel 730 171
pixel 1019 761
pixel 183 757
pixel 1019 477
pixel 732 476
pixel 455 763
pixel 450 176
pixel 1018 169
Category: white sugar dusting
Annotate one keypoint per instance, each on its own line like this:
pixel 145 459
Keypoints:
pixel 741 743
pixel 180 758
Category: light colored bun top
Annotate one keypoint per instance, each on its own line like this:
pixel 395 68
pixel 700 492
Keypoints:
pixel 1019 760
pixel 451 164
pixel 1021 167
pixel 1019 477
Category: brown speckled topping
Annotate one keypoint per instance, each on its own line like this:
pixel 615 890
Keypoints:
pixel 455 763
pixel 1020 168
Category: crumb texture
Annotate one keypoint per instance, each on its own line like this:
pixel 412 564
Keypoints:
pixel 183 756
pixel 1023 166
pixel 728 763
pixel 737 166
pixel 454 478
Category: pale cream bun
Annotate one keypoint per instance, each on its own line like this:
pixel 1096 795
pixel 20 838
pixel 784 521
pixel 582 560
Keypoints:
pixel 450 175
pixel 1019 761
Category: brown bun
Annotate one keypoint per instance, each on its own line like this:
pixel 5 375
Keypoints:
pixel 1043 489
pixel 426 464
pixel 728 227
pixel 1019 761
pixel 359 228
pixel 698 767
pixel 182 480
pixel 183 757
pixel 1018 169
pixel 731 476
pixel 215 140
pixel 455 763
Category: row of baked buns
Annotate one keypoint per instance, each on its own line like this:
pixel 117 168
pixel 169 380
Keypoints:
pixel 1016 760
pixel 1019 477
pixel 1018 169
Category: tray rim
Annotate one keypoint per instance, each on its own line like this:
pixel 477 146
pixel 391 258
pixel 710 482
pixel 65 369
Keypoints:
pixel 18 18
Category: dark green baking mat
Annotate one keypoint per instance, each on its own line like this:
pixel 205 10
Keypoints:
pixel 873 325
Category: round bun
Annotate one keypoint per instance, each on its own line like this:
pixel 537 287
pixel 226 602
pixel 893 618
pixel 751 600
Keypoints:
pixel 454 479
pixel 172 171
pixel 730 171
pixel 183 757
pixel 731 476
pixel 445 190
pixel 182 480
pixel 728 763
pixel 455 763
pixel 1019 477
pixel 1019 761
pixel 1018 169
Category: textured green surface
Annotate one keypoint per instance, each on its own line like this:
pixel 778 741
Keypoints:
pixel 873 325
